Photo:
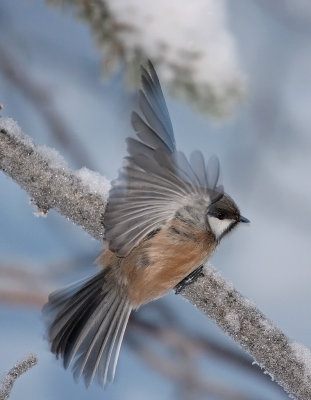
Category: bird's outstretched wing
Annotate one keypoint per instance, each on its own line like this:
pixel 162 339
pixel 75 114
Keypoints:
pixel 155 180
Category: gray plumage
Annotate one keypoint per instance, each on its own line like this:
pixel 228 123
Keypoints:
pixel 87 320
pixel 156 179
pixel 86 323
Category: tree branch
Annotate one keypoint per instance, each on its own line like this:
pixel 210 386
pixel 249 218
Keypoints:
pixel 22 366
pixel 286 361
pixel 82 198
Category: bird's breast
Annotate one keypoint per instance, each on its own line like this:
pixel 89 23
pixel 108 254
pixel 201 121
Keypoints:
pixel 158 264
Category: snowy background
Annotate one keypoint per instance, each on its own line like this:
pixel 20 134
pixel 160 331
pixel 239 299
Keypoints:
pixel 57 86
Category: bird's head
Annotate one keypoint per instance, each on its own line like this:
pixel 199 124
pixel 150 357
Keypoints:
pixel 223 216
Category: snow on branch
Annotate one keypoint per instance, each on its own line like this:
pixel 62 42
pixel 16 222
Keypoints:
pixel 82 198
pixel 286 361
pixel 22 366
pixel 189 42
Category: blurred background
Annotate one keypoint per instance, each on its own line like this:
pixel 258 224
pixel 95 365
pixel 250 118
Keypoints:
pixel 237 82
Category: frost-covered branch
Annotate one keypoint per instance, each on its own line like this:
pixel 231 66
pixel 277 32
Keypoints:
pixel 82 198
pixel 286 361
pixel 22 366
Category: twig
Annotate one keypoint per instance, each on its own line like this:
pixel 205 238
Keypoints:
pixel 52 186
pixel 22 366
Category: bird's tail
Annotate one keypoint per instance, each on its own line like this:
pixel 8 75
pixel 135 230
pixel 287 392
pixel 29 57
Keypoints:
pixel 86 323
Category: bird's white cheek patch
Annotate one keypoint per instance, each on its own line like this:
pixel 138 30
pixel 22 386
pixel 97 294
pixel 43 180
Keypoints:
pixel 219 226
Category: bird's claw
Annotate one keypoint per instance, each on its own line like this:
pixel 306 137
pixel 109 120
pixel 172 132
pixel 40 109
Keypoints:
pixel 189 279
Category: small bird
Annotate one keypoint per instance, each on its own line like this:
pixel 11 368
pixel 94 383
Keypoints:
pixel 164 218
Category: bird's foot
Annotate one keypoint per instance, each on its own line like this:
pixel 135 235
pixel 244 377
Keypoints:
pixel 189 279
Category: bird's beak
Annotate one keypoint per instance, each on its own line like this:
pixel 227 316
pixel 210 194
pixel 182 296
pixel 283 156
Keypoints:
pixel 243 219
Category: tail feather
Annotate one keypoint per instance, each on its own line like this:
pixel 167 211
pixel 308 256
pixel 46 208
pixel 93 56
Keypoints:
pixel 118 345
pixel 93 346
pixel 83 332
pixel 89 326
pixel 63 304
pixel 86 324
pixel 89 333
pixel 101 356
pixel 73 315
pixel 106 360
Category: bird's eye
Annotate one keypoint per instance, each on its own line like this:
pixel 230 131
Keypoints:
pixel 221 215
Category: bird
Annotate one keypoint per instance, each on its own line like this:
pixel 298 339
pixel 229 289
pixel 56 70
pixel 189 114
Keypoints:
pixel 165 216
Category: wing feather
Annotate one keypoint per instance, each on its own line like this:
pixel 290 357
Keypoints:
pixel 146 133
pixel 155 180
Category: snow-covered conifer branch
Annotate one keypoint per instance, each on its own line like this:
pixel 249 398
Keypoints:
pixel 22 366
pixel 194 51
pixel 82 198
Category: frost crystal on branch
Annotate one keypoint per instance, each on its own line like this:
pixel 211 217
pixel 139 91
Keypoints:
pixel 43 173
pixel 22 366
pixel 188 41
pixel 286 361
